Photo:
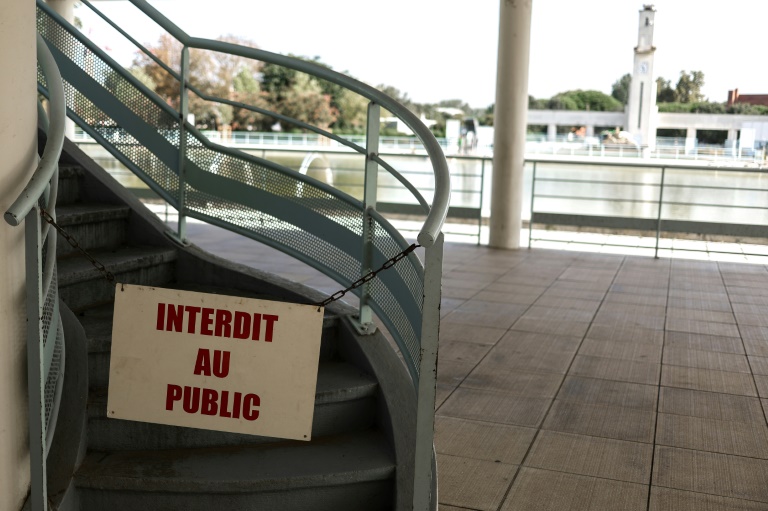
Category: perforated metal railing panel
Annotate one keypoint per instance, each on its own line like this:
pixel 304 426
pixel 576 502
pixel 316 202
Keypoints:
pixel 143 133
pixel 319 225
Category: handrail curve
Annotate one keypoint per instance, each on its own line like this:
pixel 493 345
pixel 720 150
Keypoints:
pixel 48 164
pixel 440 202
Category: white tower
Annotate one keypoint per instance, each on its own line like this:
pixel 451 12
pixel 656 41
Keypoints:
pixel 642 109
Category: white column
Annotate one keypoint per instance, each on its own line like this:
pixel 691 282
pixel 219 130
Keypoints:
pixel 733 137
pixel 590 130
pixel 551 132
pixel 18 145
pixel 65 9
pixel 510 118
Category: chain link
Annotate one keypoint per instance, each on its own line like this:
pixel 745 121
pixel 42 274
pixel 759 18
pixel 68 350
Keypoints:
pixel 338 295
pixel 72 241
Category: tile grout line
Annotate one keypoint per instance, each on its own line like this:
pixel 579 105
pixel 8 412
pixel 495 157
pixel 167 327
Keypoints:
pixel 658 390
pixel 562 380
pixel 744 347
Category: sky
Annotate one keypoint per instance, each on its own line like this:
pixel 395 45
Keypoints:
pixel 446 49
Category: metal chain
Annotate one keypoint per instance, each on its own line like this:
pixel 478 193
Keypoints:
pixel 338 295
pixel 72 241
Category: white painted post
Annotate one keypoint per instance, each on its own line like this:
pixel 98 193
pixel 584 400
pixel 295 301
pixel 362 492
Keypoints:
pixel 18 145
pixel 510 119
pixel 425 410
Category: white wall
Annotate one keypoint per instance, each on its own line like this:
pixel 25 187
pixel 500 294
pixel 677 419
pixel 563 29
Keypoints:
pixel 18 144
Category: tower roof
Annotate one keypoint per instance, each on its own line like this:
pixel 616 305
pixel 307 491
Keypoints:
pixel 649 7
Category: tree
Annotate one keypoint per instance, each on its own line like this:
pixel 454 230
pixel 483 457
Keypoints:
pixel 688 89
pixel 664 91
pixel 620 89
pixel 584 100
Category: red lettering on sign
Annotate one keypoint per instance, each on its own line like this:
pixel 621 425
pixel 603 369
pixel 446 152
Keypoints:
pixel 251 401
pixel 173 394
pixel 206 322
pixel 218 322
pixel 211 402
pixel 271 320
pixel 192 321
pixel 223 320
pixel 161 316
pixel 242 325
pixel 191 399
pixel 175 318
pixel 210 405
pixel 220 366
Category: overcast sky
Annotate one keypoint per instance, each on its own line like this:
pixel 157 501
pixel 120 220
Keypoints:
pixel 445 49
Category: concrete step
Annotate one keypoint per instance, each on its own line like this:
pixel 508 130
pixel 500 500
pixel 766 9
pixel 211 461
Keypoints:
pixel 69 184
pixel 348 472
pixel 82 286
pixel 92 226
pixel 345 402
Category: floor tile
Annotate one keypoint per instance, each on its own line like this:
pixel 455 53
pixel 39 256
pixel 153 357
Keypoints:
pixel 615 369
pixel 625 333
pixel 607 392
pixel 473 483
pixel 708 380
pixel 452 373
pixel 450 331
pixel 717 474
pixel 494 320
pixel 490 376
pixel 494 406
pixel 543 490
pixel 666 499
pixel 706 359
pixel 727 437
pixel 702 327
pixel 616 422
pixel 482 440
pixel 591 456
pixel 550 326
pixel 700 315
pixel 710 405
pixel 621 350
pixel 759 365
pixel 704 342
pixel 459 351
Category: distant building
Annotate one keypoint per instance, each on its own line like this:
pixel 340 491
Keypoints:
pixel 750 99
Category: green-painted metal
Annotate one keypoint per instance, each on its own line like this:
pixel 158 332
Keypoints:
pixel 183 114
pixel 370 191
pixel 313 221
pixel 44 331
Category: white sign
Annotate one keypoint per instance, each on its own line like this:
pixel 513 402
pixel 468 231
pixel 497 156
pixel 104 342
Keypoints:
pixel 214 362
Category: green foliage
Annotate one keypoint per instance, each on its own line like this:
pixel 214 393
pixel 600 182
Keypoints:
pixel 585 100
pixel 664 91
pixel 538 104
pixel 747 109
pixel 688 89
pixel 620 89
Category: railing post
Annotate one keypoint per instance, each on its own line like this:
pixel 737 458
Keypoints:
pixel 35 372
pixel 425 410
pixel 365 320
pixel 480 206
pixel 658 218
pixel 184 113
pixel 530 219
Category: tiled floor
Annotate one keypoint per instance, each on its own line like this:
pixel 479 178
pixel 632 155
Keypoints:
pixel 583 381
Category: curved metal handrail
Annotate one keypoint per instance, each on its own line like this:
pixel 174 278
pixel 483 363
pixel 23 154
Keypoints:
pixel 439 209
pixel 49 162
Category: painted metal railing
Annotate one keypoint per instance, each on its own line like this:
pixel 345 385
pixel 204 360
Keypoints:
pixel 332 231
pixel 45 335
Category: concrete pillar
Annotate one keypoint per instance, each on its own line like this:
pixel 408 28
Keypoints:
pixel 551 131
pixel 733 136
pixel 690 140
pixel 510 118
pixel 65 9
pixel 18 145
pixel 590 130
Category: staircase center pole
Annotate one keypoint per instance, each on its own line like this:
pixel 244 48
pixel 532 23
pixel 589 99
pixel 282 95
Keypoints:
pixel 184 113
